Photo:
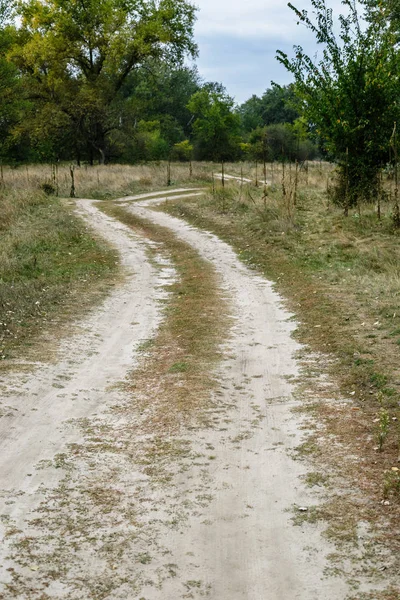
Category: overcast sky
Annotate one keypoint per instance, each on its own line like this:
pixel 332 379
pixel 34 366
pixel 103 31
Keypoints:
pixel 238 40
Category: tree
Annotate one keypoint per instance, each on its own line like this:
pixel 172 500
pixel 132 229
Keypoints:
pixel 351 94
pixel 76 56
pixel 277 105
pixel 251 114
pixel 9 80
pixel 281 141
pixel 183 151
pixel 159 88
pixel 216 126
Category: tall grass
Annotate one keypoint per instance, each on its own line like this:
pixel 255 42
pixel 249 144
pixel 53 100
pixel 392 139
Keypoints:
pixel 106 181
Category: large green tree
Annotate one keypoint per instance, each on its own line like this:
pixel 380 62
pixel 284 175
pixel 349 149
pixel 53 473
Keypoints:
pixel 351 94
pixel 76 56
pixel 276 105
pixel 216 126
pixel 9 81
pixel 159 91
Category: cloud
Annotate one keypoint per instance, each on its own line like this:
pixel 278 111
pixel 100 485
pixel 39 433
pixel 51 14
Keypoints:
pixel 238 40
pixel 251 18
pixel 244 66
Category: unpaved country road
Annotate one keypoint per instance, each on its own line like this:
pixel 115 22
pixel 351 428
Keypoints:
pixel 80 516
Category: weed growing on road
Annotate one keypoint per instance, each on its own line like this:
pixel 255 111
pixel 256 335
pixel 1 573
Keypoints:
pixel 383 427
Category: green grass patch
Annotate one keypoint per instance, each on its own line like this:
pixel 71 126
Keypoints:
pixel 51 266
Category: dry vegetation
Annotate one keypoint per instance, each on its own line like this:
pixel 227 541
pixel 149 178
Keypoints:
pixel 180 360
pixel 106 181
pixel 341 278
pixel 47 259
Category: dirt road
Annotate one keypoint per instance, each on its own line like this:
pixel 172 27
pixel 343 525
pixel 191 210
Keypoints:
pixel 80 515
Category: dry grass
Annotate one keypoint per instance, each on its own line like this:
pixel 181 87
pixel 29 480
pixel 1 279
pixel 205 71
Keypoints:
pixel 107 181
pixel 47 259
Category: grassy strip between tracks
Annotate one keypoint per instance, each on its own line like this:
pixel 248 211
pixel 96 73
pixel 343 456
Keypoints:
pixel 341 280
pixel 101 507
pixel 52 268
pixel 177 373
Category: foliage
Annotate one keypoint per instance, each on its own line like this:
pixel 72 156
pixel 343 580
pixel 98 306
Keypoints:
pixel 105 81
pixel 77 55
pixel 156 90
pixel 10 103
pixel 351 93
pixel 277 105
pixel 216 126
pixel 182 151
pixel 280 142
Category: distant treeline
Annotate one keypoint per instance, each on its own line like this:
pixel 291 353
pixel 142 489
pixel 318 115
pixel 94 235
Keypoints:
pixel 105 80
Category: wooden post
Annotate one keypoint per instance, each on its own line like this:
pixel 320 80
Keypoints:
pixel 265 171
pixel 169 173
pixel 223 174
pixel 396 213
pixel 346 198
pixel 380 187
pixel 296 183
pixel 327 192
pixel 71 170
pixel 256 174
pixel 54 176
pixel 306 167
pixel 190 169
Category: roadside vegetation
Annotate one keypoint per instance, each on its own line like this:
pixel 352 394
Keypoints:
pixel 106 181
pixel 51 267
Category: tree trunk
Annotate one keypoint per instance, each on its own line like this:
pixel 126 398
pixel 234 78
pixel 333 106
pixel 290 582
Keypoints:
pixel 102 159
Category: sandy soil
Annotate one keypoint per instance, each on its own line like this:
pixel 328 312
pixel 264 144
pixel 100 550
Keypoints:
pixel 81 517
